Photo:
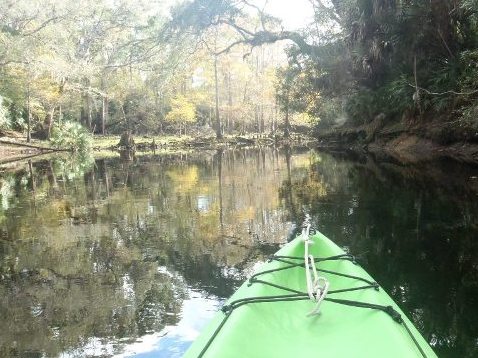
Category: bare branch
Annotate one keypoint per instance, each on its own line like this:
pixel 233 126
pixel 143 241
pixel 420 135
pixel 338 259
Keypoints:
pixel 229 48
pixel 258 38
pixel 260 12
pixel 236 27
pixel 444 93
pixel 80 88
pixel 43 25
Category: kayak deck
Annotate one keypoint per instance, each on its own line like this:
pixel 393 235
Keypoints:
pixel 267 316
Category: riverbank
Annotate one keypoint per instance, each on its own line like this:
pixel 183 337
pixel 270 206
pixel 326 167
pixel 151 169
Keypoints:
pixel 13 146
pixel 411 143
pixel 181 143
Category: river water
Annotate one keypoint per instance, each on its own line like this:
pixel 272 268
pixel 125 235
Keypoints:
pixel 131 256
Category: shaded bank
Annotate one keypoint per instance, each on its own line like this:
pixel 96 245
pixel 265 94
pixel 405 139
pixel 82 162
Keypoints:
pixel 407 143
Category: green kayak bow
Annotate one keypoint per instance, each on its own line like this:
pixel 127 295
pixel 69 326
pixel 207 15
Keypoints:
pixel 310 299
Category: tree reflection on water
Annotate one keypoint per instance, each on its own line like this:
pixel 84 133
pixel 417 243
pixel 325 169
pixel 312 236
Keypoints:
pixel 110 256
pixel 108 251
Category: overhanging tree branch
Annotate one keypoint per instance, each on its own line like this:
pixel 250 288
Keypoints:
pixel 43 25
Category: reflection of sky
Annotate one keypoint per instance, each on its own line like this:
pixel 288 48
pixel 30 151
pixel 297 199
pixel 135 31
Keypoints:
pixel 173 341
pixel 6 193
pixel 203 203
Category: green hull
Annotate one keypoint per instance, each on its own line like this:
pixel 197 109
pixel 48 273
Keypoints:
pixel 283 329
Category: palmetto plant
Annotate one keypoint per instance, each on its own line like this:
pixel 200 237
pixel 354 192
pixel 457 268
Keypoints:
pixel 403 54
pixel 71 135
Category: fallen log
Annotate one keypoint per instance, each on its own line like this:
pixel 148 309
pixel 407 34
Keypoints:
pixel 34 146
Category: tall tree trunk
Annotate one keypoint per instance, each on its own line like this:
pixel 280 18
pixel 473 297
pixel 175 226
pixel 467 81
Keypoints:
pixel 104 114
pixel 85 107
pixel 104 105
pixel 286 119
pixel 257 125
pixel 218 119
pixel 261 106
pixel 29 115
pixel 89 110
pixel 230 122
pixel 160 105
pixel 274 118
pixel 85 116
pixel 49 121
pixel 125 119
pixel 262 118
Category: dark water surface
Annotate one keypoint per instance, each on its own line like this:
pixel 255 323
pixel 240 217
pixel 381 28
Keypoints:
pixel 111 257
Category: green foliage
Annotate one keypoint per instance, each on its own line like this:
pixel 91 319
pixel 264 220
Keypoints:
pixel 383 51
pixel 71 135
pixel 469 85
pixel 398 95
pixel 114 66
pixel 329 113
pixel 470 116
pixel 11 115
pixel 182 110
pixel 364 56
pixel 362 106
pixel 391 99
pixel 469 69
pixel 4 120
pixel 197 15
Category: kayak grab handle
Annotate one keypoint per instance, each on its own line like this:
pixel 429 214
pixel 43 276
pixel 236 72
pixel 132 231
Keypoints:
pixel 317 286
